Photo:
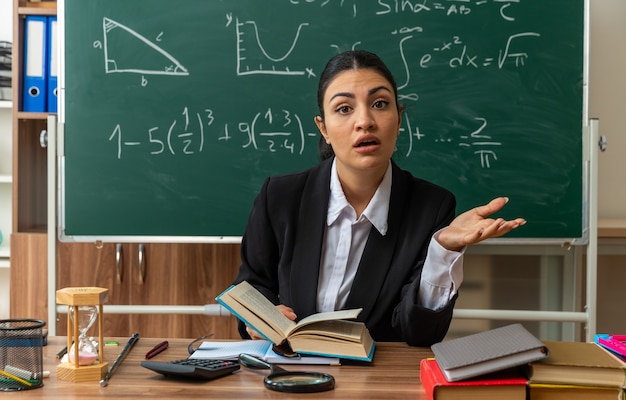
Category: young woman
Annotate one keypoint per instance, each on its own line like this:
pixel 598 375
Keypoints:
pixel 356 230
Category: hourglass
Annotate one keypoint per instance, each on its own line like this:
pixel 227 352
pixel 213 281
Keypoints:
pixel 84 308
pixel 87 347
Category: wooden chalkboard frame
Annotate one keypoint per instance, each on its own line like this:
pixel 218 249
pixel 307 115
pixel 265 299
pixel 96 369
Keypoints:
pixel 85 236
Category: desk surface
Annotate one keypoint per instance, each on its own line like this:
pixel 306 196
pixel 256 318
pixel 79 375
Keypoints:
pixel 394 374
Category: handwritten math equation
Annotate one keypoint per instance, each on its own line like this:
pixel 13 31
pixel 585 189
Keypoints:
pixel 252 41
pixel 281 131
pixel 275 132
pixel 251 45
pixel 450 7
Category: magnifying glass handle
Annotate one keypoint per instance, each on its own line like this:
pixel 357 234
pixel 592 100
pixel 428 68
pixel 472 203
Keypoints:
pixel 250 361
pixel 253 362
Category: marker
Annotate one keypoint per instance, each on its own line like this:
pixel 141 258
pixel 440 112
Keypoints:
pixel 24 374
pixel 131 342
pixel 157 349
pixel 15 378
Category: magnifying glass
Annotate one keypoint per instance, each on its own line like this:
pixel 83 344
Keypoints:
pixel 282 380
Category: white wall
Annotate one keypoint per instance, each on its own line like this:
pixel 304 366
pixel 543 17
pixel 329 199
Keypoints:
pixel 607 100
pixel 6 33
pixel 6 20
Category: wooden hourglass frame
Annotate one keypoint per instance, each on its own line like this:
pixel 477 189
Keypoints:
pixel 74 297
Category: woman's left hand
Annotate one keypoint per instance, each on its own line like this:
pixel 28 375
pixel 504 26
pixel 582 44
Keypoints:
pixel 287 312
pixel 473 226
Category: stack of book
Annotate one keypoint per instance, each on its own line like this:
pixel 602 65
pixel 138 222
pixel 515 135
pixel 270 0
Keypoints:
pixel 486 365
pixel 509 384
pixel 510 363
pixel 614 344
pixel 576 370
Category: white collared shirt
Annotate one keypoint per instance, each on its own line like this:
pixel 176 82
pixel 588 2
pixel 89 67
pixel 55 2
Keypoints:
pixel 345 239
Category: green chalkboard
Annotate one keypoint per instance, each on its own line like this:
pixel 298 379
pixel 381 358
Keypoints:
pixel 174 112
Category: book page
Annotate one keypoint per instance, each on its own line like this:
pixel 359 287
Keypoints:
pixel 327 316
pixel 343 330
pixel 345 339
pixel 230 350
pixel 254 300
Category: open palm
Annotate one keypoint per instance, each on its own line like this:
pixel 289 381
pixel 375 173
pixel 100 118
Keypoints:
pixel 474 226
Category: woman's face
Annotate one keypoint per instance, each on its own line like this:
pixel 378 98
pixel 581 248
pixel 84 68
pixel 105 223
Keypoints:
pixel 361 121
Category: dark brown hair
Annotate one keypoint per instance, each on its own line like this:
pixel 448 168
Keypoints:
pixel 353 59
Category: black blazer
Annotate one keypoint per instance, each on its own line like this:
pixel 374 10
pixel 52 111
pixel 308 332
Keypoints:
pixel 281 251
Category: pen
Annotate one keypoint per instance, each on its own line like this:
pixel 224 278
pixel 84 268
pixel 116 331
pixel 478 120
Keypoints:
pixel 61 353
pixel 131 342
pixel 157 349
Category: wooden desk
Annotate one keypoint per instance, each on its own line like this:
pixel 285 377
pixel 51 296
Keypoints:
pixel 394 374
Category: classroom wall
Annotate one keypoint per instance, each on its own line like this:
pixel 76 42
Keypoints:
pixel 6 20
pixel 607 100
pixel 607 95
pixel 6 33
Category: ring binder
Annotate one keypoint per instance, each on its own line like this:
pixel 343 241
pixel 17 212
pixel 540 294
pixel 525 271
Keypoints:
pixel 35 58
pixel 52 64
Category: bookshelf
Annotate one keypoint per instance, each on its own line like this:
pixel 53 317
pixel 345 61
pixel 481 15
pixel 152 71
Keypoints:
pixel 135 274
pixel 28 244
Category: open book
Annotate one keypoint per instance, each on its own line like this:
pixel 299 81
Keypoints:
pixel 230 350
pixel 325 334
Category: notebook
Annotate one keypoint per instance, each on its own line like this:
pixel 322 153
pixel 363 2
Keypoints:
pixel 488 351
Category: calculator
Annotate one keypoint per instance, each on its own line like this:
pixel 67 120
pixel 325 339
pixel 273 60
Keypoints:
pixel 199 369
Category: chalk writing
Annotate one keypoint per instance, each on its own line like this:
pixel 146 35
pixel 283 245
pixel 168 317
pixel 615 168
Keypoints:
pixel 461 56
pixel 449 7
pixel 276 132
pixel 134 40
pixel 279 131
pixel 183 110
pixel 177 138
pixel 483 144
pixel 249 29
